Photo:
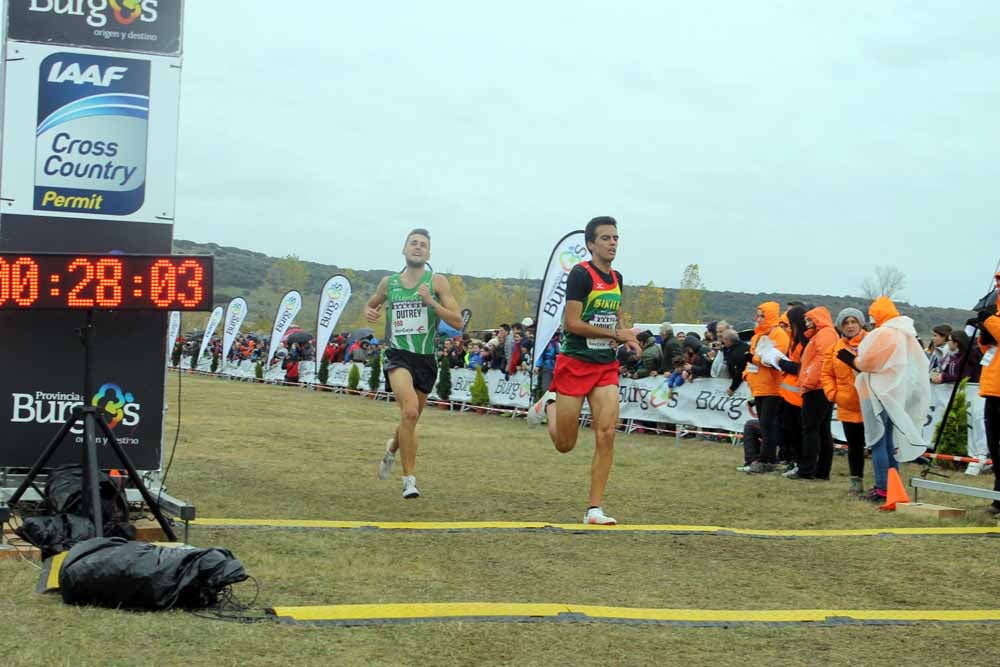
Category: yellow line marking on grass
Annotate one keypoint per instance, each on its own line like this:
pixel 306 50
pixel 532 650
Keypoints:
pixel 579 527
pixel 513 611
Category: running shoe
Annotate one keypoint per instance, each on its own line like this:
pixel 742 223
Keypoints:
pixel 596 516
pixel 389 458
pixel 536 413
pixel 875 495
pixel 760 468
pixel 410 487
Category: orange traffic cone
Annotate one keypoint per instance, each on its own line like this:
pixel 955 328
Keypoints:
pixel 896 493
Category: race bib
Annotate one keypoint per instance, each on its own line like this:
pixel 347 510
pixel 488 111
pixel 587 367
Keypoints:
pixel 604 321
pixel 988 357
pixel 752 368
pixel 409 318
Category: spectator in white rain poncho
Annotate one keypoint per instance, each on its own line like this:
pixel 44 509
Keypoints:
pixel 892 385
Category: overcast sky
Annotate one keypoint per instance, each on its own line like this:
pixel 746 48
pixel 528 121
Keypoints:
pixel 782 146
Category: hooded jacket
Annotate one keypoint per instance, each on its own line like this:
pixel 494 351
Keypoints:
pixel 893 380
pixel 822 337
pixel 989 379
pixel 838 380
pixel 789 389
pixel 764 380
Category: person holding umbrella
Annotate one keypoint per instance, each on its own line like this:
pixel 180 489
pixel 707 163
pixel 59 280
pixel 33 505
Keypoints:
pixel 417 299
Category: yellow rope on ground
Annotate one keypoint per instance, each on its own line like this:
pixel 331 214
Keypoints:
pixel 369 613
pixel 579 527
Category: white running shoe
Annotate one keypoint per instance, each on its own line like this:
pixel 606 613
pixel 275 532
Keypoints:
pixel 974 469
pixel 385 465
pixel 790 474
pixel 410 487
pixel 596 516
pixel 536 413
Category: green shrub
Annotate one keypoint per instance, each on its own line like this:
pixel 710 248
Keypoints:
pixel 955 433
pixel 354 377
pixel 480 392
pixel 323 374
pixel 215 362
pixel 258 371
pixel 444 379
pixel 376 365
pixel 175 356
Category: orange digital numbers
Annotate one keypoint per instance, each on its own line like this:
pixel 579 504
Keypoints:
pixel 163 283
pixel 63 281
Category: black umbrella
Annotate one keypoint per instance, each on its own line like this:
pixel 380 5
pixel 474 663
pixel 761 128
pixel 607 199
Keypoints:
pixel 299 336
pixel 986 301
pixel 362 333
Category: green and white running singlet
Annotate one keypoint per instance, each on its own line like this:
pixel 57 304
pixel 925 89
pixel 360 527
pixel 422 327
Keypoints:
pixel 412 325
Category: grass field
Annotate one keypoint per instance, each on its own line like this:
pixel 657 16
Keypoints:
pixel 261 451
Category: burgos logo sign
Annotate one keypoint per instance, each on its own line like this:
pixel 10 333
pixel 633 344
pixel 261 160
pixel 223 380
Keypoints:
pixel 90 142
pixel 124 12
pixel 44 407
pixel 334 292
pixel 119 406
pixel 571 257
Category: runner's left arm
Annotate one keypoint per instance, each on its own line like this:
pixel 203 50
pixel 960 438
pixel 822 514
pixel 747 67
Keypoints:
pixel 445 306
pixel 624 333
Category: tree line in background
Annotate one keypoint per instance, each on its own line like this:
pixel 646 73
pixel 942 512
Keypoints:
pixel 263 280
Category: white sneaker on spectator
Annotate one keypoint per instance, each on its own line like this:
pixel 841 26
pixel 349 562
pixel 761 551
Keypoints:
pixel 745 468
pixel 794 472
pixel 536 413
pixel 410 487
pixel 596 516
pixel 974 468
pixel 385 465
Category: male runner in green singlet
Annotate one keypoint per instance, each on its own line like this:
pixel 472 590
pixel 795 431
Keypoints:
pixel 416 299
pixel 587 365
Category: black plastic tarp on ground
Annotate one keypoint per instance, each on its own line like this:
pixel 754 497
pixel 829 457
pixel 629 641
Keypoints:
pixel 112 572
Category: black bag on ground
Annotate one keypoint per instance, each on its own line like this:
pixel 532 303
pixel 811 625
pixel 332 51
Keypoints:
pixel 64 494
pixel 55 534
pixel 64 497
pixel 112 572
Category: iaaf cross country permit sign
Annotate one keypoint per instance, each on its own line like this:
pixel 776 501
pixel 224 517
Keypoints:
pixel 144 26
pixel 91 134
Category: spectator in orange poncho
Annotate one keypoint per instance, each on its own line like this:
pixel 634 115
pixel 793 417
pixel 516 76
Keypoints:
pixel 989 386
pixel 764 384
pixel 838 384
pixel 816 455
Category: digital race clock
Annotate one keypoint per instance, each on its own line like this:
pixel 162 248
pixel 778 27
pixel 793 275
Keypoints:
pixel 62 281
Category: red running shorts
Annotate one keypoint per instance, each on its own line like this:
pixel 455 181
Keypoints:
pixel 575 377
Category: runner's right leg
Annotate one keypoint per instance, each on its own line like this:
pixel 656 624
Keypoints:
pixel 564 421
pixel 409 403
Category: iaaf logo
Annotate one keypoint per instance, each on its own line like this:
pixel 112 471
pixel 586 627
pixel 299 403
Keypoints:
pixel 92 75
pixel 125 12
pixel 43 407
